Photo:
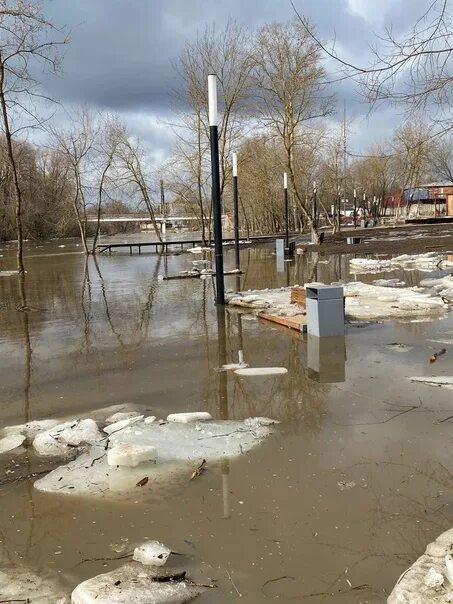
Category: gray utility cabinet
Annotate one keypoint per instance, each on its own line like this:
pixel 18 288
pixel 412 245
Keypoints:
pixel 325 310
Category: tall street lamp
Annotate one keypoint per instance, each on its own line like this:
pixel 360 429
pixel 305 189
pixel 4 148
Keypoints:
pixel 285 189
pixel 215 175
pixel 236 209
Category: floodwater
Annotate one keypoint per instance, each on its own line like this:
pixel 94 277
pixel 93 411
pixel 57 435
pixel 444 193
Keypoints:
pixel 332 508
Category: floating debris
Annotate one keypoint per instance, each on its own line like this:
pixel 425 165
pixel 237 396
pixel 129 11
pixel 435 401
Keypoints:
pixel 261 371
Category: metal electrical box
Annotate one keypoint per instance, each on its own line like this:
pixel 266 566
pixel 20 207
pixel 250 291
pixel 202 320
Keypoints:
pixel 325 310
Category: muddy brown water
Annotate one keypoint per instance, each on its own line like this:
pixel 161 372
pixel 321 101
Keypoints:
pixel 347 493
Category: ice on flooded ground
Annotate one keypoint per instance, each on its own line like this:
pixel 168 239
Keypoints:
pixel 136 584
pixel 446 381
pixel 179 447
pixel 21 584
pixel 11 442
pixel 187 418
pixel 389 283
pixel 429 579
pixel 130 455
pixel 61 439
pixel 430 260
pixel 152 553
pixel 442 286
pixel 261 371
pixel 362 301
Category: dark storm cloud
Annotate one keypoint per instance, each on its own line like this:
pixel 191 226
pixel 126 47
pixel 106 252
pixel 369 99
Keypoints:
pixel 122 52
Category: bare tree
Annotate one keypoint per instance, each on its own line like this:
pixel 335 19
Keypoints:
pixel 288 77
pixel 227 53
pixel 76 144
pixel 25 42
pixel 132 163
pixel 414 70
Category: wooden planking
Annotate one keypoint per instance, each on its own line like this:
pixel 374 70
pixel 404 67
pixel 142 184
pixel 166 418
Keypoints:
pixel 298 295
pixel 298 322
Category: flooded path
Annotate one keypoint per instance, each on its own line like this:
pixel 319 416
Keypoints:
pixel 332 508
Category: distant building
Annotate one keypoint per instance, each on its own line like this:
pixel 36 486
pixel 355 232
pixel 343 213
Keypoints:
pixel 432 199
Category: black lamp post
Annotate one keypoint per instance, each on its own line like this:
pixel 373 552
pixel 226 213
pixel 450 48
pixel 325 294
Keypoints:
pixel 285 189
pixel 236 210
pixel 355 208
pixel 215 174
pixel 315 206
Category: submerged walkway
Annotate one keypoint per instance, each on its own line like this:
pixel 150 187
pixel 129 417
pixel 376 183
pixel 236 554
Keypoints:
pixel 163 246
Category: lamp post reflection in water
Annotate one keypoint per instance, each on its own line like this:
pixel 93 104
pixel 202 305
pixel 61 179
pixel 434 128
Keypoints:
pixel 223 402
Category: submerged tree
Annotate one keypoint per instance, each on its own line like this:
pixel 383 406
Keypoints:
pixel 26 43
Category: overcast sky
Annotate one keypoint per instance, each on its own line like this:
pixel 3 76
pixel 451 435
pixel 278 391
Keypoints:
pixel 122 52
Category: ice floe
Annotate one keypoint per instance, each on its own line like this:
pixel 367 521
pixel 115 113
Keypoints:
pixel 11 442
pixel 428 261
pixel 427 580
pixel 134 583
pixel 179 446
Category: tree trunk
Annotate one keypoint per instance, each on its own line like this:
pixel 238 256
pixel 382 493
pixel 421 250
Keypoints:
pixel 17 189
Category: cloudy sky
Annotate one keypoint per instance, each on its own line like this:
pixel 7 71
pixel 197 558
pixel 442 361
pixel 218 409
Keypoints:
pixel 122 52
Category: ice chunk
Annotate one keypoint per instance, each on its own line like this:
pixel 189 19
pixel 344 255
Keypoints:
pixel 120 416
pixel 252 371
pixel 449 568
pixel 152 553
pixel 130 455
pixel 423 582
pixel 117 426
pixel 31 429
pixel 188 418
pixel 135 584
pixel 70 434
pixel 150 420
pixel 434 579
pixel 446 381
pixel 11 442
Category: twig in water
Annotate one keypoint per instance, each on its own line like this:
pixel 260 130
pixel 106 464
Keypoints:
pixel 233 583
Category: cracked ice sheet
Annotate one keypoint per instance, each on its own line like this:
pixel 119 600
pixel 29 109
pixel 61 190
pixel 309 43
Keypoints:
pixel 411 587
pixel 179 448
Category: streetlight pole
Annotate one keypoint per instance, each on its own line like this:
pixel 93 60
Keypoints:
pixel 236 210
pixel 215 175
pixel 285 189
pixel 315 206
pixel 355 208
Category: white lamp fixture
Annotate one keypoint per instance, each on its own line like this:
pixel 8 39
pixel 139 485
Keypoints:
pixel 235 164
pixel 285 180
pixel 212 100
